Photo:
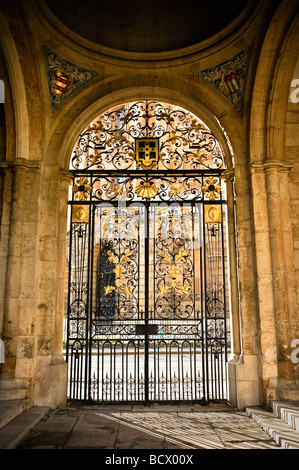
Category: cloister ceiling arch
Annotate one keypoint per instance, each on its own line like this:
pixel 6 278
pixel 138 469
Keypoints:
pixel 154 26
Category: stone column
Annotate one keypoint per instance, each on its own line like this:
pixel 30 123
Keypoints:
pixel 275 277
pixel 268 348
pixel 51 368
pixel 283 273
pixel 243 367
pixel 236 347
pixel 233 271
pixel 18 305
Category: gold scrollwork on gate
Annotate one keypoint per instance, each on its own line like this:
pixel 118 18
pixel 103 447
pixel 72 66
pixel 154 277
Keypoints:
pixel 119 270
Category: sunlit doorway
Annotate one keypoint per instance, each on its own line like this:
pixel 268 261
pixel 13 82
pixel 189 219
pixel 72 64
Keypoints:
pixel 147 299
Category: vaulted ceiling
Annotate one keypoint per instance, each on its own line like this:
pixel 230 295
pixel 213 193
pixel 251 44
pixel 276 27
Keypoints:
pixel 146 26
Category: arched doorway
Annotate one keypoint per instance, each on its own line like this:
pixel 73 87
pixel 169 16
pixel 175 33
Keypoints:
pixel 147 283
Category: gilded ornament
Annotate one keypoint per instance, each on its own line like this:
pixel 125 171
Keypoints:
pixel 82 188
pixel 80 214
pixel 119 270
pixel 211 188
pixel 120 190
pixel 129 290
pixel 147 153
pixel 173 271
pixel 181 256
pixel 175 190
pixel 164 289
pixel 126 257
pixel 165 258
pixel 109 289
pixel 213 214
pixel 146 190
pixel 112 257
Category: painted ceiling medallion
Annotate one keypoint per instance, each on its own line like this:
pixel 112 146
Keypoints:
pixel 229 77
pixel 64 78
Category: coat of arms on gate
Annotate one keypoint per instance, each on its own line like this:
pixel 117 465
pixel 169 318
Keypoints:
pixel 147 152
pixel 229 77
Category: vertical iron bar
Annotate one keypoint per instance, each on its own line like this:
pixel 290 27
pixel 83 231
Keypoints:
pixel 146 302
pixel 224 284
pixel 69 285
pixel 205 340
pixel 90 294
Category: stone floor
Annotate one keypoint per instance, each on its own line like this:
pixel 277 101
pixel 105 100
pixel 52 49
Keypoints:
pixel 154 427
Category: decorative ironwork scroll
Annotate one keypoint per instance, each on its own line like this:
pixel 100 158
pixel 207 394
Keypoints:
pixel 119 263
pixel 112 141
pixel 147 265
pixel 174 264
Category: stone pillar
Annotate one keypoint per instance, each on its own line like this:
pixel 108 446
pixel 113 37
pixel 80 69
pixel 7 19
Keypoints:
pixel 233 271
pixel 275 277
pixel 236 348
pixel 19 269
pixel 243 367
pixel 268 348
pixel 283 272
pixel 51 368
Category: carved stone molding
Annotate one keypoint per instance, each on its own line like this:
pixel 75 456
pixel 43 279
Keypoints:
pixel 21 164
pixel 271 165
pixel 66 176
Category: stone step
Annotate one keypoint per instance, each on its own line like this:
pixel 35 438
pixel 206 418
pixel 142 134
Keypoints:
pixel 9 409
pixel 282 433
pixel 12 389
pixel 13 432
pixel 287 412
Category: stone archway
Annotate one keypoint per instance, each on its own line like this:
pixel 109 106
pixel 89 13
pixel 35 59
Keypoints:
pixel 100 330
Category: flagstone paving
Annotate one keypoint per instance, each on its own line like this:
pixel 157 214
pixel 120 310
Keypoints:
pixel 129 427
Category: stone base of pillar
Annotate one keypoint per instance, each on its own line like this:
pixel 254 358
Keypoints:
pixel 13 389
pixel 282 389
pixel 50 387
pixel 243 382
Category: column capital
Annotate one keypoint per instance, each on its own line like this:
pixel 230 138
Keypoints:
pixel 271 165
pixel 66 175
pixel 21 164
pixel 228 174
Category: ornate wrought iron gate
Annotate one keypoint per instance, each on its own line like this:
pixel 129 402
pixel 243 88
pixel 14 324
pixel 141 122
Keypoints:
pixel 147 264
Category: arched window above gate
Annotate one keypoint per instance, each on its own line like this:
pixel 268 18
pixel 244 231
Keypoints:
pixel 157 151
pixel 147 135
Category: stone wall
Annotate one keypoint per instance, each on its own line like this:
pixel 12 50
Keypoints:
pixel 262 155
pixel 292 155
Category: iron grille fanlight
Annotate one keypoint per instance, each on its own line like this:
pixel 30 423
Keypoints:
pixel 113 141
